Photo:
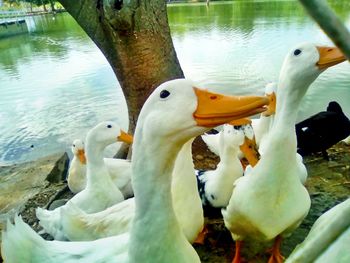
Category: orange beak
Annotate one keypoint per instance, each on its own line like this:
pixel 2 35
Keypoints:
pixel 81 156
pixel 329 56
pixel 250 151
pixel 214 109
pixel 271 108
pixel 240 122
pixel 125 137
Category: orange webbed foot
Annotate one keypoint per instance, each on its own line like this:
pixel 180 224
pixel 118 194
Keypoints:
pixel 201 236
pixel 237 258
pixel 276 256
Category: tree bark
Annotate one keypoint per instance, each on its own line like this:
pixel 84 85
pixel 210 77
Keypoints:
pixel 52 4
pixel 135 38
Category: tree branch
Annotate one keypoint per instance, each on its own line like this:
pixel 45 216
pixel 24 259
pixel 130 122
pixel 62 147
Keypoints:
pixel 330 23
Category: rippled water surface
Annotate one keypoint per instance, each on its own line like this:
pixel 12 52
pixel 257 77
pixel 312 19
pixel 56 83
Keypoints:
pixel 55 84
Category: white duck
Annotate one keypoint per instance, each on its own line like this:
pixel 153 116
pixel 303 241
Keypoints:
pixel 160 133
pixel 100 191
pixel 328 239
pixel 118 169
pixel 77 169
pixel 271 201
pixel 78 225
pixel 215 186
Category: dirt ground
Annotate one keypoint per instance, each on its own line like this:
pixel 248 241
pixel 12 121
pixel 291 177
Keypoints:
pixel 328 185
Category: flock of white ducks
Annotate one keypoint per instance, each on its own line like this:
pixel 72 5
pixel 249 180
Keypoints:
pixel 159 224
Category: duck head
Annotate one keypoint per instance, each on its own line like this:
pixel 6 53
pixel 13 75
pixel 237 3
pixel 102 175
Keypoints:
pixel 231 137
pixel 303 64
pixel 106 133
pixel 179 109
pixel 249 147
pixel 79 151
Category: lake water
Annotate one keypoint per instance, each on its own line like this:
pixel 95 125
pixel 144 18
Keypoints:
pixel 55 84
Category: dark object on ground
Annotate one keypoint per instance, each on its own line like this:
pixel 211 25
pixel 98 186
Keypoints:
pixel 322 130
pixel 57 203
pixel 60 171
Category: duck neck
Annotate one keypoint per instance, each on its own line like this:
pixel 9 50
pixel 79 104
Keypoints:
pixel 228 154
pixel 95 166
pixel 184 181
pixel 282 136
pixel 228 170
pixel 155 223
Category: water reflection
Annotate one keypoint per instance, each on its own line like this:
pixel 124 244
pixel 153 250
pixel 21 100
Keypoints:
pixel 239 46
pixel 55 83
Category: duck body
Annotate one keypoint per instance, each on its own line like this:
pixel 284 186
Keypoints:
pixel 37 250
pixel 258 208
pixel 322 130
pixel 120 173
pixel 328 239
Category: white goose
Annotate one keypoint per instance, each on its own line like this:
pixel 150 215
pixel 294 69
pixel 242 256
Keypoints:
pixel 79 226
pixel 118 169
pixel 77 169
pixel 270 201
pixel 328 239
pixel 100 191
pixel 160 133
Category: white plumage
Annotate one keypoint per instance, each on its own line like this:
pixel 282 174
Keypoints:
pixel 155 235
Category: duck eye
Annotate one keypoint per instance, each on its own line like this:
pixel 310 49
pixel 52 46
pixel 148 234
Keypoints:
pixel 164 94
pixel 73 145
pixel 297 52
pixel 109 126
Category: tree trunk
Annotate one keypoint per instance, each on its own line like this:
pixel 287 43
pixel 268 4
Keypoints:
pixel 52 4
pixel 44 7
pixel 135 38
